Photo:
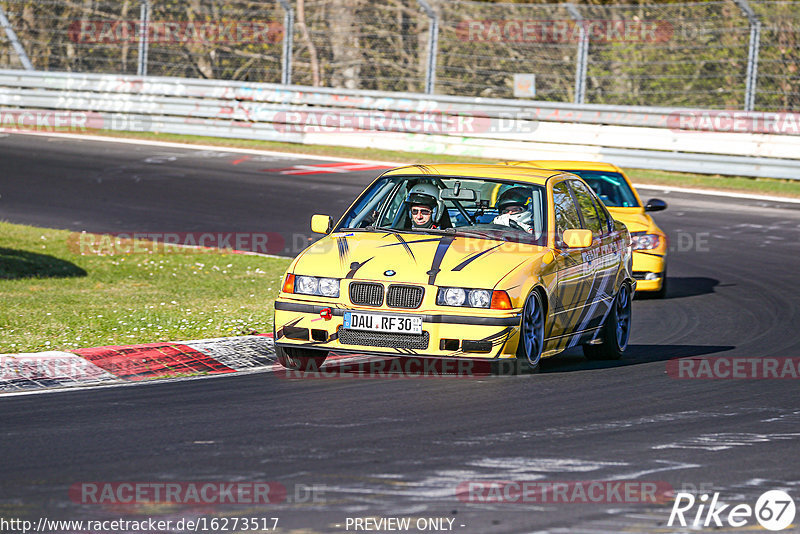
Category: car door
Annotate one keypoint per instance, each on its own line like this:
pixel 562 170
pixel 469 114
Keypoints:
pixel 603 255
pixel 574 273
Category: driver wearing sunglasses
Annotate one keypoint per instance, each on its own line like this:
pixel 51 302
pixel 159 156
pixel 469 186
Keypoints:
pixel 421 216
pixel 423 201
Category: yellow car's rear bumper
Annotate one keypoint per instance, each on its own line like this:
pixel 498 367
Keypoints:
pixel 492 335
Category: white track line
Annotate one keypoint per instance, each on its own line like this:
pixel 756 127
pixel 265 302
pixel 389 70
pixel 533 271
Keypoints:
pixel 120 384
pixel 216 148
pixel 707 192
pixel 288 155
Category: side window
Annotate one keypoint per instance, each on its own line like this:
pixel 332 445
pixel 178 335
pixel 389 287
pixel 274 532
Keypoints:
pixel 390 216
pixel 605 218
pixel 566 214
pixel 590 211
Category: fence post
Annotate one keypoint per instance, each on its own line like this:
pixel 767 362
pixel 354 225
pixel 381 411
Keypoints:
pixel 144 37
pixel 288 40
pixel 752 54
pixel 12 37
pixel 583 55
pixel 433 45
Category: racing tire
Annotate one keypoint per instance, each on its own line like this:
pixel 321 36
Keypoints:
pixel 531 334
pixel 299 359
pixel 616 330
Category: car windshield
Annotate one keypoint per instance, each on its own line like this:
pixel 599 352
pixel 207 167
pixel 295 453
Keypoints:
pixel 611 187
pixel 470 206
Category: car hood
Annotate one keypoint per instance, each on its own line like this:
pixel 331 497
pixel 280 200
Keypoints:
pixel 634 218
pixel 415 258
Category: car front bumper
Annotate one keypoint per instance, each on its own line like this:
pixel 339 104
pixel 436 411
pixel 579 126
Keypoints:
pixel 648 270
pixel 445 335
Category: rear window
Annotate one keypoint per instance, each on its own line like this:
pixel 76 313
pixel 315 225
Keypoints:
pixel 611 187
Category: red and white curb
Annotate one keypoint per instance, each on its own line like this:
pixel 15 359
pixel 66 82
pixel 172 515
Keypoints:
pixel 135 363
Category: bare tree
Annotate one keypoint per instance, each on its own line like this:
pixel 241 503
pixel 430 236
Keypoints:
pixel 345 47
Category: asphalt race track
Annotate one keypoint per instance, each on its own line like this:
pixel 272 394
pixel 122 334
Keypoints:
pixel 400 448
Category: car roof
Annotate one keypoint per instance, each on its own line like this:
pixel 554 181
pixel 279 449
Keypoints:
pixel 501 172
pixel 568 165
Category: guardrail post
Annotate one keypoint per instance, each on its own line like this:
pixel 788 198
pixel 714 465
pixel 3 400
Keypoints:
pixel 583 55
pixel 15 44
pixel 144 34
pixel 433 45
pixel 752 54
pixel 288 40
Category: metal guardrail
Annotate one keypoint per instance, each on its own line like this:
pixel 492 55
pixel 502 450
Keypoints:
pixel 636 137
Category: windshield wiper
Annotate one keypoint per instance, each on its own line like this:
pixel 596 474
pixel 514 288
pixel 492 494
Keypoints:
pixel 448 231
pixel 382 229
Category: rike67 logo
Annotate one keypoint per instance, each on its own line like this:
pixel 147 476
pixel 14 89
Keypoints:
pixel 774 510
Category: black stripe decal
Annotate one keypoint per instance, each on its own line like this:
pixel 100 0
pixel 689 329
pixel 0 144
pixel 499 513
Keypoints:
pixel 355 266
pixel 403 242
pixel 279 333
pixel 495 339
pixel 441 250
pixel 424 169
pixel 473 258
pixel 405 246
pixel 344 249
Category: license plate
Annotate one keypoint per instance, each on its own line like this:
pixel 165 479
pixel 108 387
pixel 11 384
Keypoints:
pixel 397 324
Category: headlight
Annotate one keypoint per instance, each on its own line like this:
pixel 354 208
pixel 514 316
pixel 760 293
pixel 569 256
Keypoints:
pixel 459 296
pixel 329 287
pixel 311 285
pixel 306 284
pixel 645 241
pixel 454 296
pixel 479 298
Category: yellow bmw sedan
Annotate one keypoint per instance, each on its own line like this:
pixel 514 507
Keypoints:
pixel 623 201
pixel 461 261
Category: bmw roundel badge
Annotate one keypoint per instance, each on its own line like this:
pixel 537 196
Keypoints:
pixel 390 272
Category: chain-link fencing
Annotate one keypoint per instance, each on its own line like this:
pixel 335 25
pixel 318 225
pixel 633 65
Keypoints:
pixel 730 54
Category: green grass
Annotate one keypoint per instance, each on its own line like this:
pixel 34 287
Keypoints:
pixel 54 298
pixel 742 184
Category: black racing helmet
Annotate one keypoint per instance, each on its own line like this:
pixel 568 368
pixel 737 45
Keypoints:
pixel 515 196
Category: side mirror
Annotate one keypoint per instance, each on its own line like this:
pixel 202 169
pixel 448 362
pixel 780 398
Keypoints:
pixel 575 238
pixel 655 204
pixel 321 224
